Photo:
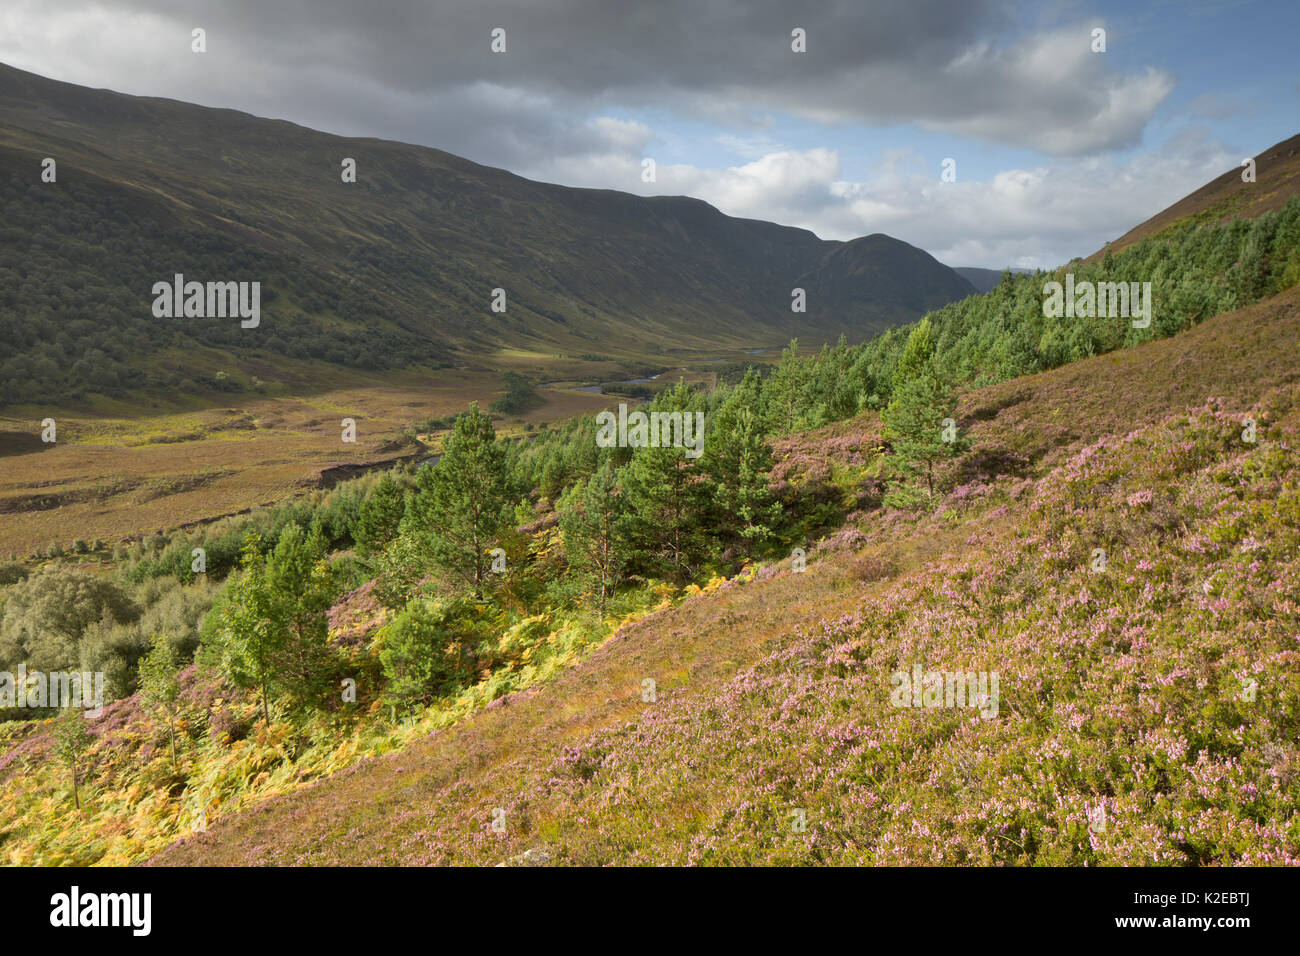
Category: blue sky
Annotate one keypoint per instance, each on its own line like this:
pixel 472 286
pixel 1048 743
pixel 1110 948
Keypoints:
pixel 1058 149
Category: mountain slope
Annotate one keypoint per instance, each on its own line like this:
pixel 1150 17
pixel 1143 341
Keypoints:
pixel 1120 690
pixel 397 267
pixel 982 279
pixel 1277 179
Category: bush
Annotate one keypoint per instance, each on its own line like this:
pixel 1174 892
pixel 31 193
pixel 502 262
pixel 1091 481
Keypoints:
pixel 12 572
pixel 424 652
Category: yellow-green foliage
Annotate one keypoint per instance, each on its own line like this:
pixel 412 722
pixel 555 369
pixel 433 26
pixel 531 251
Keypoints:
pixel 134 804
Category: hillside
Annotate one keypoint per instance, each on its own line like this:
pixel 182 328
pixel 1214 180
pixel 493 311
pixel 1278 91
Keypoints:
pixel 774 691
pixel 1277 179
pixel 397 268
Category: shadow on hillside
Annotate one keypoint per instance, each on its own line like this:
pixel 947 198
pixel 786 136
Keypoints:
pixel 21 443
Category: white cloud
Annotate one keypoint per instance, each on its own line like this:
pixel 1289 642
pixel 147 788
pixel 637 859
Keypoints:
pixel 1038 216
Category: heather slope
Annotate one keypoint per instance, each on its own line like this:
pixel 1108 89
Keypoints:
pixel 1227 196
pixel 1157 695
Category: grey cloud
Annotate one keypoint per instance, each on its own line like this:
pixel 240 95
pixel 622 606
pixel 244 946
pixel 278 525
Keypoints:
pixel 943 63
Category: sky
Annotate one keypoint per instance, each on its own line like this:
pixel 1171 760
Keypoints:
pixel 1056 147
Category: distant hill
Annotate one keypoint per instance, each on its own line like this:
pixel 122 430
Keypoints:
pixel 982 279
pixel 1277 179
pixel 396 268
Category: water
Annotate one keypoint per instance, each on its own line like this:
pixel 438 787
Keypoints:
pixel 595 389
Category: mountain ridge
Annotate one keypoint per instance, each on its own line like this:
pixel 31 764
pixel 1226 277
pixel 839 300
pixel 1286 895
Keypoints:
pixel 1227 196
pixel 401 263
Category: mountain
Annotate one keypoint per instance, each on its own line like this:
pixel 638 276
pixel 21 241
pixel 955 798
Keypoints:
pixel 398 267
pixel 1277 179
pixel 982 279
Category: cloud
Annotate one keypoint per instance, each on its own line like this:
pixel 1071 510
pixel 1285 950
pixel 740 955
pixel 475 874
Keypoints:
pixel 952 65
pixel 1033 217
pixel 548 108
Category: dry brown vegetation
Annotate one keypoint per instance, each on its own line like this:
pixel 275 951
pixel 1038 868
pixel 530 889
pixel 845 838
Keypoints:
pixel 120 473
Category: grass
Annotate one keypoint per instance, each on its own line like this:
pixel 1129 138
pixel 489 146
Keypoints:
pixel 219 460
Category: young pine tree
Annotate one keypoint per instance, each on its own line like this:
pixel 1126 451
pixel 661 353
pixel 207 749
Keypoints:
pixel 738 461
pixel 380 516
pixel 919 441
pixel 71 738
pixel 462 501
pixel 250 638
pixel 302 591
pixel 668 498
pixel 414 654
pixel 275 630
pixel 917 354
pixel 591 523
pixel 785 389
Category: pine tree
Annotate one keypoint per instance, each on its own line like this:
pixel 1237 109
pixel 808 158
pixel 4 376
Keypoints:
pixel 916 354
pixel 302 591
pixel 591 522
pixel 160 685
pixel 914 427
pixel 668 498
pixel 380 516
pixel 250 640
pixel 414 655
pixel 785 389
pixel 738 460
pixel 462 501
pixel 275 631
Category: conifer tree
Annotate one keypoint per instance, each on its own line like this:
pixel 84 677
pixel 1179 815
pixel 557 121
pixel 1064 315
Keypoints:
pixel 916 354
pixel 914 426
pixel 275 631
pixel 250 639
pixel 668 498
pixel 71 738
pixel 380 516
pixel 592 523
pixel 301 593
pixel 738 461
pixel 414 654
pixel 784 389
pixel 462 501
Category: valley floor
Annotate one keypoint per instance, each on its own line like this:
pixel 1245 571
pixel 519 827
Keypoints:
pixel 118 474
